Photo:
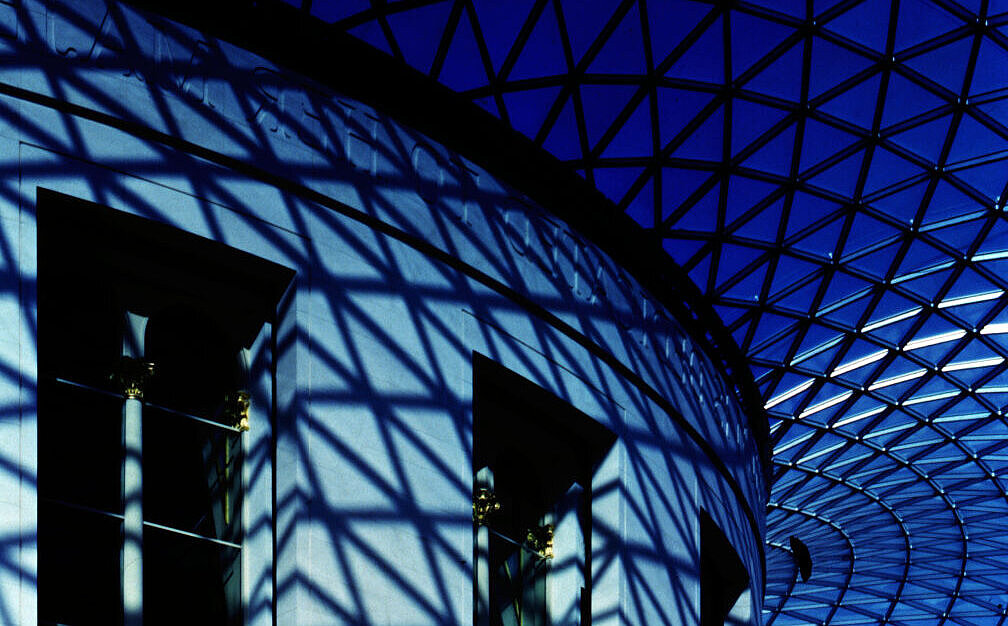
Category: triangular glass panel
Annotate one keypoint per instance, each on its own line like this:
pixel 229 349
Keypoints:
pixel 787 7
pixel 945 65
pixel 877 263
pixel 678 185
pixel 969 377
pixel 997 108
pixel 542 54
pixel 614 182
pixel 704 60
pixel 986 178
pixel 949 202
pixel 887 169
pixel 748 47
pixel 642 207
pixel 705 142
pixel 868 231
pixel 842 286
pixel 816 339
pixel 334 10
pixel 702 216
pixel 670 22
pixel 800 300
pixel 488 104
pixel 583 26
pixel 822 242
pixel 857 104
pixel 820 142
pixel 527 108
pixel 919 256
pixel 740 331
pixel 989 71
pixel 602 104
pixel 842 177
pixel 700 273
pixel 782 78
pixel 623 52
pixel 736 260
pixel 764 225
pixel 562 141
pixel 921 20
pixel 743 194
pixel 971 284
pixel 821 6
pixel 902 205
pixel 928 285
pixel 770 325
pixel 775 156
pixel 925 140
pixel 749 285
pixel 832 65
pixel 959 236
pixel 973 140
pixel 995 243
pixel 500 24
pixel 677 108
pixel 906 99
pixel 463 67
pixel 750 120
pixel 807 210
pixel 729 314
pixel 850 314
pixel 633 139
pixel 371 32
pixel 790 272
pixel 418 32
pixel 867 23
pixel 683 250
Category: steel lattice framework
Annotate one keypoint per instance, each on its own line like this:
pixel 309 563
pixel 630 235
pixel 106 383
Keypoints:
pixel 833 176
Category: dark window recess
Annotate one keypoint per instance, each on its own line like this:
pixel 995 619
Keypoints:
pixel 723 576
pixel 203 302
pixel 531 450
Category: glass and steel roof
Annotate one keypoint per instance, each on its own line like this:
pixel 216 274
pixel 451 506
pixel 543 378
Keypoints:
pixel 833 176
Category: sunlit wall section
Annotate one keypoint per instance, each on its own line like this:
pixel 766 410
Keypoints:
pixel 407 261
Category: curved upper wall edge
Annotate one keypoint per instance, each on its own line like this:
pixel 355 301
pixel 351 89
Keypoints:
pixel 423 104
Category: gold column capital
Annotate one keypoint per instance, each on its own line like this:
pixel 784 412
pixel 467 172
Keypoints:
pixel 131 377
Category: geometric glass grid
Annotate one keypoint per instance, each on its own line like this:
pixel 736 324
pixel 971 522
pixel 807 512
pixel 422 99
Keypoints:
pixel 833 177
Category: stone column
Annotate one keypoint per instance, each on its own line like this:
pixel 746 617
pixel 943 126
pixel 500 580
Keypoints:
pixel 132 376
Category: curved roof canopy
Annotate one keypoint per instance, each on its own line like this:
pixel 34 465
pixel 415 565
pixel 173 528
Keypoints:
pixel 832 175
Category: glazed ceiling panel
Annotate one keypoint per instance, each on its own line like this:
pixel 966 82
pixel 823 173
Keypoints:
pixel 833 176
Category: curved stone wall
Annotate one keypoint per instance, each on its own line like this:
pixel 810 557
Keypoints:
pixel 409 259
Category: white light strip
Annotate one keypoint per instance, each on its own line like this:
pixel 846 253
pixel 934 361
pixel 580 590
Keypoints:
pixel 895 380
pixel 794 442
pixel 860 416
pixel 990 256
pixel 995 329
pixel 825 404
pixel 935 396
pixel 983 297
pixel 933 340
pixel 968 365
pixel 794 391
pixel 856 363
pixel 890 320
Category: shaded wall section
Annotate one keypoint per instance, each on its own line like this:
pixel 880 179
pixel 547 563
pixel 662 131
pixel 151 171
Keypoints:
pixel 407 260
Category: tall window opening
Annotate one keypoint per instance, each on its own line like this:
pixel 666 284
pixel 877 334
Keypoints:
pixel 534 458
pixel 724 581
pixel 143 356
